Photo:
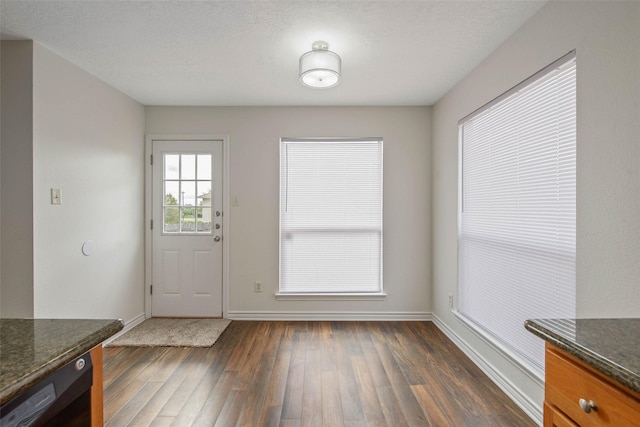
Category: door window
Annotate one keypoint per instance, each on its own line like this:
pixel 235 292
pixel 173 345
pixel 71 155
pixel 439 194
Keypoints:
pixel 187 193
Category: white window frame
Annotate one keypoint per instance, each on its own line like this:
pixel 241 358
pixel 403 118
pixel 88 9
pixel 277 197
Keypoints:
pixel 301 293
pixel 524 349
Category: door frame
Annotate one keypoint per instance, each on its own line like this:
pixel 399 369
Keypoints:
pixel 148 211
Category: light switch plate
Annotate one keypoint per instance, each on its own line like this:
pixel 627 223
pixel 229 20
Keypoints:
pixel 56 196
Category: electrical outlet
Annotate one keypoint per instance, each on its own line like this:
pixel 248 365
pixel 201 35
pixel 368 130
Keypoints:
pixel 258 286
pixel 451 300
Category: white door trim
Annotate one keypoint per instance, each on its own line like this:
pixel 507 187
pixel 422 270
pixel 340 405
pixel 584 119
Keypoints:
pixel 148 236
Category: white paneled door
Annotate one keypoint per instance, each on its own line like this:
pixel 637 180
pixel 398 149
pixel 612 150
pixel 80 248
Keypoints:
pixel 187 229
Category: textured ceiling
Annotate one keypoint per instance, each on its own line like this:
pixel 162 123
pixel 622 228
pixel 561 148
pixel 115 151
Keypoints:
pixel 228 53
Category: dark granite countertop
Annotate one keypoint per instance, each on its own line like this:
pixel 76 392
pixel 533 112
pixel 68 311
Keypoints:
pixel 31 349
pixel 611 346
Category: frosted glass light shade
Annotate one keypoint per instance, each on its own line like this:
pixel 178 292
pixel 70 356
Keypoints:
pixel 320 68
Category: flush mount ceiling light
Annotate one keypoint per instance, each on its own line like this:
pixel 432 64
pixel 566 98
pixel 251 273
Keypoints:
pixel 320 68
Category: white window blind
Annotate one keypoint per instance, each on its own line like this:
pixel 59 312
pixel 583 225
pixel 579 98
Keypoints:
pixel 330 216
pixel 518 209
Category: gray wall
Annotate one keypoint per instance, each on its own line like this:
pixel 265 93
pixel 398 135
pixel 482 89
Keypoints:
pixel 254 135
pixel 16 179
pixel 607 41
pixel 87 139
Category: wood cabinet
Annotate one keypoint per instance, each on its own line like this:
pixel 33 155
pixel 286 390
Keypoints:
pixel 578 395
pixel 97 405
pixel 554 418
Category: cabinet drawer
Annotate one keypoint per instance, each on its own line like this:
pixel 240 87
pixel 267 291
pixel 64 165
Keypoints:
pixel 567 382
pixel 555 418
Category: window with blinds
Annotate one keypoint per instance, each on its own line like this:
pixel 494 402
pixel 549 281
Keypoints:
pixel 517 231
pixel 330 216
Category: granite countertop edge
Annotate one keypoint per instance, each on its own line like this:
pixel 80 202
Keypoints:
pixel 37 374
pixel 618 373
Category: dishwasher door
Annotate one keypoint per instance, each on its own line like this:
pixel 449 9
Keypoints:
pixel 61 399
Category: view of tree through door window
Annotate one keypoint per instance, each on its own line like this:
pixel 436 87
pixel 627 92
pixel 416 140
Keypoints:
pixel 187 193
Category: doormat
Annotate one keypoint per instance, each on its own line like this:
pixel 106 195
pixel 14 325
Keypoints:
pixel 163 332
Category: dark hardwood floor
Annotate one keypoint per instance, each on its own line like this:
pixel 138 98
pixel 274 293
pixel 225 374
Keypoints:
pixel 306 374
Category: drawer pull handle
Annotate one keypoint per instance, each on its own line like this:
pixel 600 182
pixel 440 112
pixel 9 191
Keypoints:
pixel 588 405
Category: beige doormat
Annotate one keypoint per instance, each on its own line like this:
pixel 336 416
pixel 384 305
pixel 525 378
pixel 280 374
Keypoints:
pixel 161 332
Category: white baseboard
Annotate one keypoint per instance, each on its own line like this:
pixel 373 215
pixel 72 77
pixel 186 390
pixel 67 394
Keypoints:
pixel 127 326
pixel 327 315
pixel 533 410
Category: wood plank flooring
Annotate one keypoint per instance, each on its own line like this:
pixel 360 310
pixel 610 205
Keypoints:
pixel 306 374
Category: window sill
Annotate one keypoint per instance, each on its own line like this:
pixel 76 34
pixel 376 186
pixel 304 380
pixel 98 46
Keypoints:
pixel 331 297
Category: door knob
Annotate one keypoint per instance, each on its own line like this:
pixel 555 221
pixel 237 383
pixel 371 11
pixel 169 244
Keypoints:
pixel 216 239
